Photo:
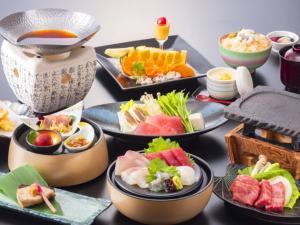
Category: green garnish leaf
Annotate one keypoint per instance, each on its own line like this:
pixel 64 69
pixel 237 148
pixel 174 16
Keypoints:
pixel 138 69
pixel 126 106
pixel 174 104
pixel 32 136
pixel 246 171
pixel 160 144
pixel 158 165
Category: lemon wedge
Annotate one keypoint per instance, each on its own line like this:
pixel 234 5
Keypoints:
pixel 118 52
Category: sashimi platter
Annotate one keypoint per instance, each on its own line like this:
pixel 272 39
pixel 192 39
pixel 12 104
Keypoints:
pixel 150 148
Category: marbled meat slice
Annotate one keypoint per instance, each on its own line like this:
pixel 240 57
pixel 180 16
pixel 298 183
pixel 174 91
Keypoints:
pixel 245 189
pixel 265 196
pixel 277 202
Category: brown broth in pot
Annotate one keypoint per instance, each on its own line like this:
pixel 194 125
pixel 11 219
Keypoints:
pixel 48 33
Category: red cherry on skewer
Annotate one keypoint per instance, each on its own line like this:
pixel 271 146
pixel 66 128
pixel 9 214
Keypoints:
pixel 162 21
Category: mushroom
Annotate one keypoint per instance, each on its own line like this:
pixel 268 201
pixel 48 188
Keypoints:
pixel 262 161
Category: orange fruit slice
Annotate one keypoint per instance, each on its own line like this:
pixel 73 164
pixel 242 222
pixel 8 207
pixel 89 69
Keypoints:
pixel 151 70
pixel 133 55
pixel 184 70
pixel 127 64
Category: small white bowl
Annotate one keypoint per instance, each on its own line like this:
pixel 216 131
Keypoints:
pixel 277 46
pixel 221 89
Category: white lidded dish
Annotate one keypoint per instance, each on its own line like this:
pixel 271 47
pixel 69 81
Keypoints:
pixel 221 89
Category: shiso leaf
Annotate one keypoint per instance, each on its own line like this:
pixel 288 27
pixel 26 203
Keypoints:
pixel 158 165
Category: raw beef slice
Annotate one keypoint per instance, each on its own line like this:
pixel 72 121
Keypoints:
pixel 245 189
pixel 277 202
pixel 265 197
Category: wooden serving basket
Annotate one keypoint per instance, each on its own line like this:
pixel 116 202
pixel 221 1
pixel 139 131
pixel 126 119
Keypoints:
pixel 243 149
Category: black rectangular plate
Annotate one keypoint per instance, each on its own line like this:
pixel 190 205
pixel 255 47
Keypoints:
pixel 175 42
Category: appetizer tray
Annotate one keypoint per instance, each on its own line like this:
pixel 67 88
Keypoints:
pixel 284 106
pixel 175 42
pixel 13 110
pixel 106 117
pixel 221 189
pixel 71 208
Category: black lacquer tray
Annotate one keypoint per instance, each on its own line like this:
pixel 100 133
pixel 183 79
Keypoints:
pixel 175 42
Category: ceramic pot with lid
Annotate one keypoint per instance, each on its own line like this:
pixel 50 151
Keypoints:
pixel 290 67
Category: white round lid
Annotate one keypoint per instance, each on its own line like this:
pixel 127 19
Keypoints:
pixel 244 82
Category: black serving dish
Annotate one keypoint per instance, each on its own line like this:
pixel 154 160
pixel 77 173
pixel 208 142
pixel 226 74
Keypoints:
pixel 206 174
pixel 134 189
pixel 106 117
pixel 221 189
pixel 175 42
pixel 21 133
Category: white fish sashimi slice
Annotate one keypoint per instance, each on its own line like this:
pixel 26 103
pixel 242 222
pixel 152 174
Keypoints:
pixel 140 158
pixel 187 175
pixel 130 159
pixel 135 176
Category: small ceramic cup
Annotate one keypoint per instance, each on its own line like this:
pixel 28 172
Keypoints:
pixel 277 46
pixel 221 89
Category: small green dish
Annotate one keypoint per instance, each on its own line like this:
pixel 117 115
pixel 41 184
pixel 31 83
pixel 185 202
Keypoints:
pixel 47 149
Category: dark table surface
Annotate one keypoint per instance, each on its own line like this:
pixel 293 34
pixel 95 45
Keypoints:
pixel 199 23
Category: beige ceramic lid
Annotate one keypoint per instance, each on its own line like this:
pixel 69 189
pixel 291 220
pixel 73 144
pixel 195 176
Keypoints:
pixel 244 82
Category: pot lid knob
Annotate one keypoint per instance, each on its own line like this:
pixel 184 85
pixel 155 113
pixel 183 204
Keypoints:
pixel 244 82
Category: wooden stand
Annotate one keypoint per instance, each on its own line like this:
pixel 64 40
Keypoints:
pixel 245 150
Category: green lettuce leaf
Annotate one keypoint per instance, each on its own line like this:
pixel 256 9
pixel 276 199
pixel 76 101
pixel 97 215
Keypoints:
pixel 281 172
pixel 158 165
pixel 160 144
pixel 246 171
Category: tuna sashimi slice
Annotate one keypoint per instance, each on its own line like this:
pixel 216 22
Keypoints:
pixel 265 196
pixel 277 202
pixel 154 155
pixel 181 157
pixel 147 129
pixel 170 159
pixel 167 122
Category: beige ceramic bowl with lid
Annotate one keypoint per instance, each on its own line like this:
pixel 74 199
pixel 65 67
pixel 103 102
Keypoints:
pixel 156 211
pixel 60 170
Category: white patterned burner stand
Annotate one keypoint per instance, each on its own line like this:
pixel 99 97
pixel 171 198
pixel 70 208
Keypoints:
pixel 46 84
